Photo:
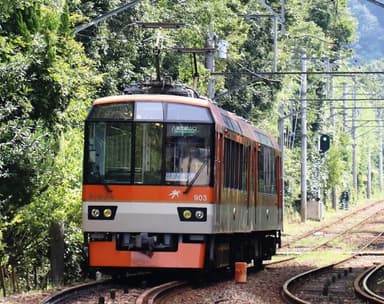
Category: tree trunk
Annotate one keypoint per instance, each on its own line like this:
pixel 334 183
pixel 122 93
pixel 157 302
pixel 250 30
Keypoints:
pixel 35 276
pixel 334 199
pixel 14 279
pixel 27 282
pixel 57 253
pixel 2 281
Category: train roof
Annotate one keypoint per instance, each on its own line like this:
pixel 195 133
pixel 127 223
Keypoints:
pixel 224 120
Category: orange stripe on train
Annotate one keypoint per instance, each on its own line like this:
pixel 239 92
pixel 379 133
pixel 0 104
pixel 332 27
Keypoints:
pixel 104 254
pixel 99 193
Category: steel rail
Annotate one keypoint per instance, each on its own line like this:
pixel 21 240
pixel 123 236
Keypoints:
pixel 290 284
pixel 361 285
pixel 150 295
pixel 65 294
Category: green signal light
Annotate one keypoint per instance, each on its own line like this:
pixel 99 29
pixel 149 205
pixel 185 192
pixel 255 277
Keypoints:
pixel 324 143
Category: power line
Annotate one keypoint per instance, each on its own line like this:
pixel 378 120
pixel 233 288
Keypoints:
pixel 339 99
pixel 106 16
pixel 360 108
pixel 336 73
pixel 377 3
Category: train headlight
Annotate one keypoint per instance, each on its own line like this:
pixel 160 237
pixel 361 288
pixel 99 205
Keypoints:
pixel 95 213
pixel 101 212
pixel 192 214
pixel 107 213
pixel 187 214
pixel 199 214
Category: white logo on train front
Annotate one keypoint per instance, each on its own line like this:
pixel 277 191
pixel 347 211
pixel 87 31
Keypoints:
pixel 174 194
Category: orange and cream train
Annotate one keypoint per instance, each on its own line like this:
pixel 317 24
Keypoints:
pixel 173 181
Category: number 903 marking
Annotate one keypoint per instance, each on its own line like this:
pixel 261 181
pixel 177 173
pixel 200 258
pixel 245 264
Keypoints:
pixel 200 197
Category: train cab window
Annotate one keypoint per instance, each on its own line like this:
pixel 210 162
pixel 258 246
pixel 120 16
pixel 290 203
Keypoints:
pixel 188 154
pixel 148 153
pixel 109 158
pixel 108 152
pixel 140 146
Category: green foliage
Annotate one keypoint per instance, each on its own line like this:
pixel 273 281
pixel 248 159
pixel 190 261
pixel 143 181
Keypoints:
pixel 321 14
pixel 2 247
pixel 45 79
pixel 337 163
pixel 74 258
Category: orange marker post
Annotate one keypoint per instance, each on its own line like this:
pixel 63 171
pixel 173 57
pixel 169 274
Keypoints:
pixel 240 272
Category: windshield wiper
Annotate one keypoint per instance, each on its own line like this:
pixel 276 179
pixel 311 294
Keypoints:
pixel 103 182
pixel 106 185
pixel 193 180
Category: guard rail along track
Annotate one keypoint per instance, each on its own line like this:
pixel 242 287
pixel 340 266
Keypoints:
pixel 366 285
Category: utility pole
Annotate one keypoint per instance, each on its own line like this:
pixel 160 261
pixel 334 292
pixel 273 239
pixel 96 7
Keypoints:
pixel 281 144
pixel 303 97
pixel 344 107
pixel 354 138
pixel 275 49
pixel 275 42
pixel 210 62
pixel 380 135
pixel 330 95
pixel 369 179
pixel 282 13
pixel 276 17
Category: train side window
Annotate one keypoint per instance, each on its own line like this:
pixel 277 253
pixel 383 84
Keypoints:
pixel 260 168
pixel 266 170
pixel 235 165
pixel 244 168
pixel 227 164
pixel 231 124
pixel 94 168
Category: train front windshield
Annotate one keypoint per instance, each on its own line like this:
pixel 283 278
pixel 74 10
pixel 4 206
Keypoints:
pixel 149 143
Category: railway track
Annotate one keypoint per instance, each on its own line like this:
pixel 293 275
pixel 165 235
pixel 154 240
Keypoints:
pixel 334 283
pixel 322 236
pixel 329 284
pixel 107 291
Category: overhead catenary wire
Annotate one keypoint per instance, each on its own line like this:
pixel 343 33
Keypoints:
pixel 377 3
pixel 103 17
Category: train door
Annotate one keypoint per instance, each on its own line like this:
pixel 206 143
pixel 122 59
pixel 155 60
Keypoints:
pixel 256 170
pixel 219 154
pixel 253 186
pixel 279 185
